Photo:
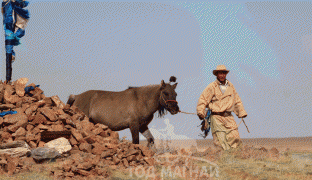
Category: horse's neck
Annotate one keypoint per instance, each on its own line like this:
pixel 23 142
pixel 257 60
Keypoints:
pixel 152 98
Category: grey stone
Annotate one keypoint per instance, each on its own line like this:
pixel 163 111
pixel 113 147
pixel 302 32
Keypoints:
pixel 42 153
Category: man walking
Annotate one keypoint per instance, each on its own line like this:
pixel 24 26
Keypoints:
pixel 222 99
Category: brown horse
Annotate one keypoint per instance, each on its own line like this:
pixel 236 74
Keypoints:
pixel 132 108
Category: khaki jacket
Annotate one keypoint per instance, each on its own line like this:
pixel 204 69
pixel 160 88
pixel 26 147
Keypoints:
pixel 213 99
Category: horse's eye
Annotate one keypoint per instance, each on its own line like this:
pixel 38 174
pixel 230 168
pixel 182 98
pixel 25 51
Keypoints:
pixel 165 93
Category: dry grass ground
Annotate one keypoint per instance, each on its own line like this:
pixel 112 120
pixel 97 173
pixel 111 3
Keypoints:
pixel 253 161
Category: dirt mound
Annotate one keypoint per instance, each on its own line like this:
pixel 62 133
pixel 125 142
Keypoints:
pixel 40 119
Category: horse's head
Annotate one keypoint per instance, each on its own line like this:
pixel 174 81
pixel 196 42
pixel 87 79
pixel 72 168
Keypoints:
pixel 168 97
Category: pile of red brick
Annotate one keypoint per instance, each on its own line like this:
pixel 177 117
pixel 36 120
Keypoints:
pixel 37 114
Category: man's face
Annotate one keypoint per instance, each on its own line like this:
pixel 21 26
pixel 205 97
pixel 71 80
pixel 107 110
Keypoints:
pixel 221 75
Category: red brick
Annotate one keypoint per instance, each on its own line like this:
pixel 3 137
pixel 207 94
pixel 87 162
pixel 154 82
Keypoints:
pixel 36 130
pixel 57 102
pixel 94 161
pixel 75 109
pixel 107 153
pixel 58 127
pixel 85 165
pixel 15 118
pixel 58 174
pixel 12 164
pixel 87 125
pixel 28 161
pixel 85 147
pixel 99 139
pixel 28 99
pixel 19 104
pixel 133 152
pixel 85 133
pixel 31 118
pixel 37 138
pixel 105 133
pixel 114 135
pixel 58 111
pixel 146 151
pixel 39 119
pixel 83 172
pixel 111 146
pixel 32 144
pixel 6 106
pixel 11 99
pixel 48 101
pixel 20 86
pixel 47 112
pixel 98 130
pixel 104 127
pixel 66 107
pixel 21 123
pixel 30 137
pixel 38 96
pixel 125 162
pixel 75 147
pixel 73 141
pixel 150 161
pixel 41 144
pixel 20 132
pixel 69 174
pixel 91 139
pixel 98 148
pixel 42 127
pixel 5 135
pixel 77 135
pixel 32 108
pixel 64 116
pixel 20 138
pixel 29 127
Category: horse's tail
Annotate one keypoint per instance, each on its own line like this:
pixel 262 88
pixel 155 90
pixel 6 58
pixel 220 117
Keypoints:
pixel 71 100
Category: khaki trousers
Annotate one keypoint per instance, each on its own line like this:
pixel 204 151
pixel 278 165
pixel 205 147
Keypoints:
pixel 225 132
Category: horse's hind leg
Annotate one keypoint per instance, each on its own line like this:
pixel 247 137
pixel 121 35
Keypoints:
pixel 148 135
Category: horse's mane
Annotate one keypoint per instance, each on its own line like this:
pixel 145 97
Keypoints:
pixel 147 86
pixel 161 110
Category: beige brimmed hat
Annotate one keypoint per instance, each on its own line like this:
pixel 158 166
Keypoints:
pixel 220 68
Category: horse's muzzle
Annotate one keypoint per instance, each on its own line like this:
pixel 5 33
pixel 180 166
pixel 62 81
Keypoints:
pixel 174 110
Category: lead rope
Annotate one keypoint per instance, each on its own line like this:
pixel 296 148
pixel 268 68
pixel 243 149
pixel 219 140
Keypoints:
pixel 187 112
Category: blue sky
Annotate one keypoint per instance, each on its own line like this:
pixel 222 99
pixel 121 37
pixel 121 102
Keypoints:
pixel 74 46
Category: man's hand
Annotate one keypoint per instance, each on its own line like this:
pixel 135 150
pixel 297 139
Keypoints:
pixel 200 116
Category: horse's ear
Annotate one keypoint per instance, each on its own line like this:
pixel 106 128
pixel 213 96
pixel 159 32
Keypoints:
pixel 175 85
pixel 162 84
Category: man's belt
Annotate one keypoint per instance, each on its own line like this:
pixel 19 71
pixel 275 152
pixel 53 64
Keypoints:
pixel 225 113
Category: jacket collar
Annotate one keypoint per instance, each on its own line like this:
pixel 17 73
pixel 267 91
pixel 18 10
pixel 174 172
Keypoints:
pixel 218 92
pixel 219 83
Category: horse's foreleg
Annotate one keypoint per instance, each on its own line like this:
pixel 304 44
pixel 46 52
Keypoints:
pixel 148 135
pixel 135 134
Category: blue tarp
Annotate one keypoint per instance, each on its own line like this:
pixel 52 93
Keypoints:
pixel 7 112
pixel 30 88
